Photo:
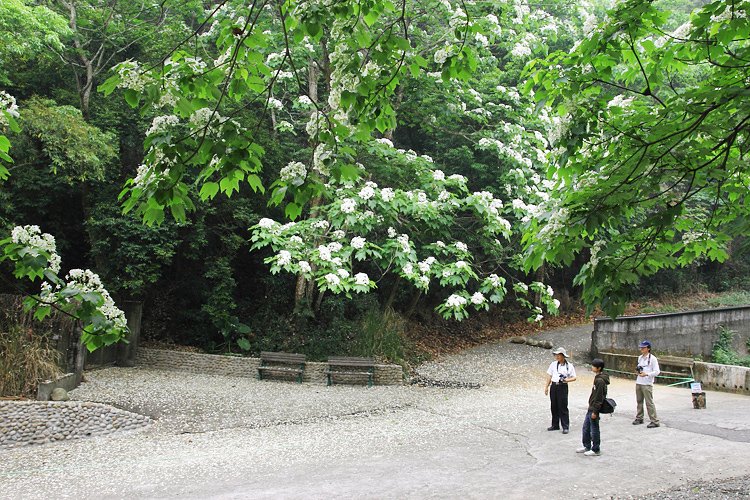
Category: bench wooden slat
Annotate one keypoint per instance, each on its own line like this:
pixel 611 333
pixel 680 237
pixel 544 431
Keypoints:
pixel 342 361
pixel 281 369
pixel 342 372
pixel 675 361
pixel 282 357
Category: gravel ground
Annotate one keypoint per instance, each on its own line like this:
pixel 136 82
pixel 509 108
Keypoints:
pixel 737 487
pixel 473 428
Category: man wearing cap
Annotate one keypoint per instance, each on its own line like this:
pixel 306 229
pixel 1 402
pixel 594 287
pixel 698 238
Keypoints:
pixel 647 370
pixel 559 373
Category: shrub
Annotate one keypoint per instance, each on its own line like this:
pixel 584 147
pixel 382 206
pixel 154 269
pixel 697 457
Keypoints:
pixel 25 360
pixel 724 354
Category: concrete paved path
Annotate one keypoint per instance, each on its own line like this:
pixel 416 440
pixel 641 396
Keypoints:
pixel 402 442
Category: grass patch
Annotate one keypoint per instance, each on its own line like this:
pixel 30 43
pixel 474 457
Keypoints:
pixel 689 302
pixel 659 309
pixel 729 299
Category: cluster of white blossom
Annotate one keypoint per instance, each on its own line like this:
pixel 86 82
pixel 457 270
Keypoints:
pixel 294 172
pixel 284 126
pixel 689 237
pixel 595 249
pixel 441 55
pixel 149 174
pixel 162 124
pixel 32 236
pixel 7 105
pixel 522 10
pixel 620 101
pixel 200 118
pixel 455 301
pixel 132 76
pixel 556 222
pixel 78 280
pixel 87 281
pixel 521 50
pixel 274 103
pixel 274 59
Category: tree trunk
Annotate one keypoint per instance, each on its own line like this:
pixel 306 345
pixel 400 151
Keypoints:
pixel 413 303
pixel 305 289
pixel 388 304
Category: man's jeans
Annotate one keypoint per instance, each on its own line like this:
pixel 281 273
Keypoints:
pixel 591 432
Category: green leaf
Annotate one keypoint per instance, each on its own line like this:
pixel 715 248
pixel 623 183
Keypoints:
pixel 292 211
pixel 131 97
pixel 178 211
pixel 312 28
pixel 255 183
pixel 349 172
pixel 244 344
pixel 110 84
pixel 209 191
pixel 371 17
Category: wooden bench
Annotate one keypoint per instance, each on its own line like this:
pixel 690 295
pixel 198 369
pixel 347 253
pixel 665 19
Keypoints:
pixel 340 365
pixel 683 373
pixel 282 362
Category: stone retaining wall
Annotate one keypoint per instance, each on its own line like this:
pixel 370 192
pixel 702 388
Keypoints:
pixel 687 334
pixel 248 367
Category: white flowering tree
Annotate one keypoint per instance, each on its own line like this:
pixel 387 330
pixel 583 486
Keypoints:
pixel 80 294
pixel 330 72
pixel 361 232
pixel 651 171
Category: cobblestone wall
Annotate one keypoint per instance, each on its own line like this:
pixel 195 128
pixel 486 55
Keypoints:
pixel 31 422
pixel 248 367
pixel 199 363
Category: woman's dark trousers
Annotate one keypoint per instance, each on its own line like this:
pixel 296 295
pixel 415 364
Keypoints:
pixel 558 397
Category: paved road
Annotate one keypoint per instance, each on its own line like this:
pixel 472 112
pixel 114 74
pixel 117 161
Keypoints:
pixel 229 438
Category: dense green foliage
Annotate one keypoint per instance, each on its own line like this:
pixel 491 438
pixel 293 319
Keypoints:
pixel 309 171
pixel 652 171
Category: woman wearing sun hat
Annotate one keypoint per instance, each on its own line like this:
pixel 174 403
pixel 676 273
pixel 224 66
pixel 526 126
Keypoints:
pixel 559 374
